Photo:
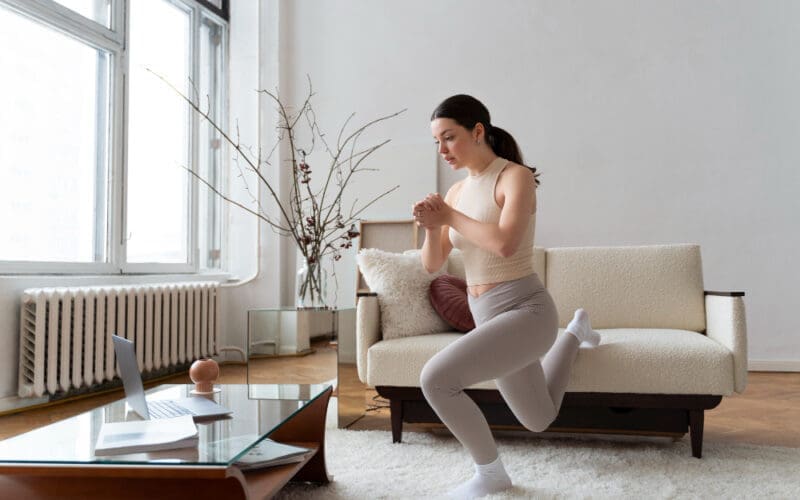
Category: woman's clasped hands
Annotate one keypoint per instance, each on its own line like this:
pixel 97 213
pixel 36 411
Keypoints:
pixel 432 212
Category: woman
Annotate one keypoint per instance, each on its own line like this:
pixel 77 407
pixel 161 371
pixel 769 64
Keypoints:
pixel 490 217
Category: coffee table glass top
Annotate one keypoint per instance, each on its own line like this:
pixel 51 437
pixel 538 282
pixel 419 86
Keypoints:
pixel 258 410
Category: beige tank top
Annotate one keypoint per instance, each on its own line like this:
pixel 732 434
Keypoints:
pixel 476 200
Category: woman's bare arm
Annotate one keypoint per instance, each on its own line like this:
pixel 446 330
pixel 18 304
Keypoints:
pixel 437 245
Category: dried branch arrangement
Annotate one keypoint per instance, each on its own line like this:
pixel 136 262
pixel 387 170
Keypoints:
pixel 314 219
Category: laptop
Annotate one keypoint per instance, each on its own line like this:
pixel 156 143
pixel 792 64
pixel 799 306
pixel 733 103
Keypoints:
pixel 198 407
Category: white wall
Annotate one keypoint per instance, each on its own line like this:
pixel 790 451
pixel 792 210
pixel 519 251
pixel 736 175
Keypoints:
pixel 651 121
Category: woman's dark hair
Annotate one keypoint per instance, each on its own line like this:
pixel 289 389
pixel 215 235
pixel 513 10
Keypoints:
pixel 467 112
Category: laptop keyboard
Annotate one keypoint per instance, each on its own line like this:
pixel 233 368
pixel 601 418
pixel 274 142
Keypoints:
pixel 166 409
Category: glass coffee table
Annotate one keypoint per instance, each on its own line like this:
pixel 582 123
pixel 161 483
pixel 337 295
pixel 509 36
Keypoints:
pixel 58 460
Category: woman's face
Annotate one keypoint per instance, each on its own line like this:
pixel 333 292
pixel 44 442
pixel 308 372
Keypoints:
pixel 456 144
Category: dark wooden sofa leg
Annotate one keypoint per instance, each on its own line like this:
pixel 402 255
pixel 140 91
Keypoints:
pixel 696 432
pixel 396 411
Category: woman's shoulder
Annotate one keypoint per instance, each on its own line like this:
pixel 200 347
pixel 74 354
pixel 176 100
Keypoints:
pixel 511 166
pixel 514 171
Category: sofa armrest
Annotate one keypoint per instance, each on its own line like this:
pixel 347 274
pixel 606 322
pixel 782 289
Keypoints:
pixel 368 330
pixel 726 323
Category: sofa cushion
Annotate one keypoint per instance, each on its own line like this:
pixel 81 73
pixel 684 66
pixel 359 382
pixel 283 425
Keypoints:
pixel 654 361
pixel 658 286
pixel 402 287
pixel 448 295
pixel 399 362
pixel 647 361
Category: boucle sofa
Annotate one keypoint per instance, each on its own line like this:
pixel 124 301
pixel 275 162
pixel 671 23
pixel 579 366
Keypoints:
pixel 670 350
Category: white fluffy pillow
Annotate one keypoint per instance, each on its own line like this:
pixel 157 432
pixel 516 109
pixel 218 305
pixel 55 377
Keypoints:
pixel 401 283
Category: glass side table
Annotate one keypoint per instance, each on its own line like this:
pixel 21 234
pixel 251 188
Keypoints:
pixel 279 352
pixel 286 330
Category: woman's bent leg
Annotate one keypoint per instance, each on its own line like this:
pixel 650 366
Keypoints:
pixel 497 348
pixel 534 393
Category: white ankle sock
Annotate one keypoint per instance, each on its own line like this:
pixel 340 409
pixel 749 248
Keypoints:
pixel 582 329
pixel 488 478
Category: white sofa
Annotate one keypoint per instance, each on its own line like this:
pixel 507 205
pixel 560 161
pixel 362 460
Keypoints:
pixel 669 349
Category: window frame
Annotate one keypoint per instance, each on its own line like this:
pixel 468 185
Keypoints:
pixel 114 41
pixel 222 148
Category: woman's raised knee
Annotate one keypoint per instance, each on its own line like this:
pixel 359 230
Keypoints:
pixel 433 378
pixel 536 422
pixel 428 377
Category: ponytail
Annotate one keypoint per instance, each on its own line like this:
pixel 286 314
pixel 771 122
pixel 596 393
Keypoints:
pixel 504 146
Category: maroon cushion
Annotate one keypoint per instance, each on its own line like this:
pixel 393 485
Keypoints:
pixel 448 295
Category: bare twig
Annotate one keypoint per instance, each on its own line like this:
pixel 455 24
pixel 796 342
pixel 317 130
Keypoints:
pixel 230 200
pixel 317 225
pixel 230 141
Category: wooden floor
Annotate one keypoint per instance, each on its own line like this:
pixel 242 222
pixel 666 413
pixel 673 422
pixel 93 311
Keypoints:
pixel 768 412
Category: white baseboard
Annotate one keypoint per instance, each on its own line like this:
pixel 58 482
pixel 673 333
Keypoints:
pixel 787 365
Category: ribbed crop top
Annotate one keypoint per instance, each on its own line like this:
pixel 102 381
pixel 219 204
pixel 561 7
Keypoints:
pixel 476 200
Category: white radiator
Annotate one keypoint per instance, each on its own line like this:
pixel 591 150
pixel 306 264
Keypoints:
pixel 65 333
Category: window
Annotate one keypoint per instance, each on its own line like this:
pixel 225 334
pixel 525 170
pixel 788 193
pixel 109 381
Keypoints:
pixel 159 133
pixel 53 194
pixel 94 147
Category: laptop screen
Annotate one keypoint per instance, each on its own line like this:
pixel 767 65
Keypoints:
pixel 131 377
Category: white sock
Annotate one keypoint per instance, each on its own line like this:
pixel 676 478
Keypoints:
pixel 488 479
pixel 582 329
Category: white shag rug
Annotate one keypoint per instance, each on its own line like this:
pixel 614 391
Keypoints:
pixel 367 465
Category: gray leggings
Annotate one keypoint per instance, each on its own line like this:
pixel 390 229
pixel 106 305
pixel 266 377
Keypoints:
pixel 516 324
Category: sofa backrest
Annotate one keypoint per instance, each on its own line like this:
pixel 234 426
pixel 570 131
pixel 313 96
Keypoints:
pixel 455 264
pixel 658 286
